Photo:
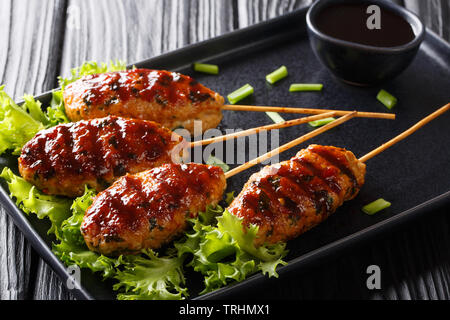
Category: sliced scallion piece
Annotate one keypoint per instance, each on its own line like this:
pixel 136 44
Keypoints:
pixel 206 68
pixel 277 75
pixel 213 161
pixel 240 94
pixel 376 207
pixel 387 99
pixel 275 116
pixel 321 122
pixel 300 87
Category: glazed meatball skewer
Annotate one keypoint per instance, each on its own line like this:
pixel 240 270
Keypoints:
pixel 287 199
pixel 169 98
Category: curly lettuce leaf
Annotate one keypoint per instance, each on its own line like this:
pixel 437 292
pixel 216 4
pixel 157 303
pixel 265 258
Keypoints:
pixel 30 200
pixel 225 253
pixel 56 112
pixel 20 123
pixel 218 257
pixel 70 228
pixel 269 268
pixel 17 125
pixel 74 254
pixel 149 277
pixel 246 236
pixel 89 68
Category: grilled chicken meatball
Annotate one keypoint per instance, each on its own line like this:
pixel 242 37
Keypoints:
pixel 171 99
pixel 289 198
pixel 63 159
pixel 151 208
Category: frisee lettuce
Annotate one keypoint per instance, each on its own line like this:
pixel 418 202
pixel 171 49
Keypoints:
pixel 30 200
pixel 17 124
pixel 246 236
pixel 89 68
pixel 220 252
pixel 149 277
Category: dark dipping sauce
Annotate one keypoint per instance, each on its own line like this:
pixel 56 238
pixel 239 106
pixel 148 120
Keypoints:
pixel 349 22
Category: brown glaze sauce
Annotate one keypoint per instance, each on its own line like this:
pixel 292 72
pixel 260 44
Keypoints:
pixel 338 160
pixel 293 180
pixel 154 196
pixel 348 21
pixel 161 86
pixel 96 148
pixel 309 179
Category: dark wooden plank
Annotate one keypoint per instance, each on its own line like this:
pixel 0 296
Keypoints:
pixel 136 30
pixel 28 56
pixel 251 12
pixel 434 13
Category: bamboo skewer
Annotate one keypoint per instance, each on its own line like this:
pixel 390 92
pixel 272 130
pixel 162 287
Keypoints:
pixel 406 134
pixel 307 111
pixel 331 125
pixel 289 145
pixel 253 131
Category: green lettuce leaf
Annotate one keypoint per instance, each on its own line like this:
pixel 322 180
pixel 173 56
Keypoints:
pixel 70 228
pixel 149 277
pixel 89 68
pixel 224 253
pixel 246 237
pixel 20 123
pixel 73 254
pixel 30 200
pixel 17 125
pixel 219 258
pixel 56 112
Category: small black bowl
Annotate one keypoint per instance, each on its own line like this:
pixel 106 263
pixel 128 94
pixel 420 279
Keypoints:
pixel 360 64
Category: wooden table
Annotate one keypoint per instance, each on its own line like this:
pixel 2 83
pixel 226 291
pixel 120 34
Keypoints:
pixel 45 38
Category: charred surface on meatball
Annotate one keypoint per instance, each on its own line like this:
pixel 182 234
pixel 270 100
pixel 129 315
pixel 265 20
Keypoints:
pixel 151 208
pixel 171 99
pixel 63 159
pixel 289 198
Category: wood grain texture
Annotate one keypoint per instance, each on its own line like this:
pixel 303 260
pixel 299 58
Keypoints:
pixel 434 13
pixel 28 61
pixel 58 35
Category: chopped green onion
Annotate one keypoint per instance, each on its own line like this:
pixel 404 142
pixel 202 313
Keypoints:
pixel 376 206
pixel 321 122
pixel 297 87
pixel 240 94
pixel 206 68
pixel 277 75
pixel 213 161
pixel 387 99
pixel 275 116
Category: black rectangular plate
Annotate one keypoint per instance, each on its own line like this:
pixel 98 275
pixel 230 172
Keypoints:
pixel 414 175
